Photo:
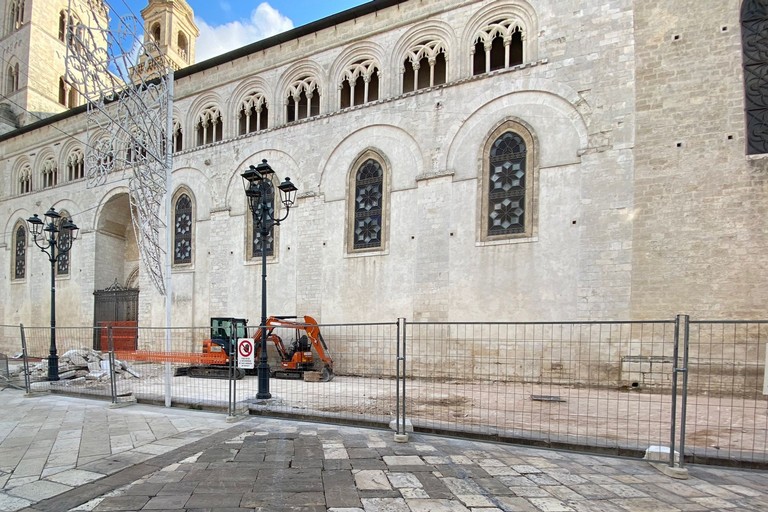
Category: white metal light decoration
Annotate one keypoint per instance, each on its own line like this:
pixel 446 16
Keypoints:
pixel 129 109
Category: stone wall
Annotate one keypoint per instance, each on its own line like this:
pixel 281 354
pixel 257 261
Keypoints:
pixel 627 224
pixel 701 205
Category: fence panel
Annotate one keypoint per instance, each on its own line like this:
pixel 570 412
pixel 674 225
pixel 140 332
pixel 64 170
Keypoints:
pixel 82 370
pixel 362 390
pixel 155 372
pixel 602 386
pixel 727 408
pixel 12 370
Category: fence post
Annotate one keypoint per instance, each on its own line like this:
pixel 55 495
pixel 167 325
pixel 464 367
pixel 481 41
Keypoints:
pixel 401 435
pixel 111 359
pixel 675 468
pixel 27 383
pixel 684 402
pixel 673 419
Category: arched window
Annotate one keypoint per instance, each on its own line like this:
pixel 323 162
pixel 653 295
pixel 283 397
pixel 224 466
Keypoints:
pixel 62 26
pixel 49 173
pixel 359 84
pixel 183 45
pixel 155 33
pixel 75 165
pixel 16 18
pixel 498 45
pixel 135 151
pixel 12 79
pixel 63 258
pixel 182 231
pixel 62 91
pixel 508 184
pixel 252 116
pixel 20 251
pixel 754 34
pixel 178 136
pixel 368 205
pixel 303 99
pixel 209 126
pixel 25 180
pixel 425 66
pixel 67 94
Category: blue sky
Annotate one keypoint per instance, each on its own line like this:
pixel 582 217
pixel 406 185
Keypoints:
pixel 229 24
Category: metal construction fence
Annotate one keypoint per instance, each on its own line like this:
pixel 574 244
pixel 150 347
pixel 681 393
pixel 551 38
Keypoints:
pixel 694 387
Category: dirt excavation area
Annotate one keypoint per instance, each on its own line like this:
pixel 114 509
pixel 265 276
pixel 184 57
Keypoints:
pixel 622 421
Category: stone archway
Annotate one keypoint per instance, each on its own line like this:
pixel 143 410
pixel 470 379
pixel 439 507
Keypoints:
pixel 116 269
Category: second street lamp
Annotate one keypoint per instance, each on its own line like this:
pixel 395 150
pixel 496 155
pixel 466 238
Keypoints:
pixel 260 191
pixel 54 237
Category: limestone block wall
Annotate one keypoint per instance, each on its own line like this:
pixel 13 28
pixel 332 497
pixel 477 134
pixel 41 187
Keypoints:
pixel 577 102
pixel 701 204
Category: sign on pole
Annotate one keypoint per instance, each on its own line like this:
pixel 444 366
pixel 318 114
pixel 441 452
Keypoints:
pixel 245 354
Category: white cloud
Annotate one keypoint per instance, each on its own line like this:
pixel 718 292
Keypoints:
pixel 264 21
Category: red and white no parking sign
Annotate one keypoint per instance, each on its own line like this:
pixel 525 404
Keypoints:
pixel 245 355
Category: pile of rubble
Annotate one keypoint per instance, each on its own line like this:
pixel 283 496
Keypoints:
pixel 83 365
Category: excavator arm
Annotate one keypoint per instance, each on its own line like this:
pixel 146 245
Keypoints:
pixel 297 360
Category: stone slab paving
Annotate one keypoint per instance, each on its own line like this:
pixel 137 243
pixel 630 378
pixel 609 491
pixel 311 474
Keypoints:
pixel 202 463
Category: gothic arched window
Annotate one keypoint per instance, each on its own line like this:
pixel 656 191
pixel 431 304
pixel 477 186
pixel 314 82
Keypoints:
pixel 75 165
pixel 498 45
pixel 253 114
pixel 209 126
pixel 182 231
pixel 425 66
pixel 49 173
pixel 359 84
pixel 303 99
pixel 754 34
pixel 368 205
pixel 508 184
pixel 16 18
pixel 20 252
pixel 25 180
pixel 178 136
pixel 12 84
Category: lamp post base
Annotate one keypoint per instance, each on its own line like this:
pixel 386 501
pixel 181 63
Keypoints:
pixel 53 368
pixel 263 391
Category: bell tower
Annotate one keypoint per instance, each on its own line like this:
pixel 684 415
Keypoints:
pixel 169 26
pixel 35 36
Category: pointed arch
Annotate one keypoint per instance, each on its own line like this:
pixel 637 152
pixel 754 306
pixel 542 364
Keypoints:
pixel 368 203
pixel 75 164
pixel 423 56
pixel 209 125
pixel 19 258
pixel 508 183
pixel 300 90
pixel 500 36
pixel 183 227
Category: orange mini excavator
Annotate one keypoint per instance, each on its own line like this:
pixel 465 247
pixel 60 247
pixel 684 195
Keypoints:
pixel 296 357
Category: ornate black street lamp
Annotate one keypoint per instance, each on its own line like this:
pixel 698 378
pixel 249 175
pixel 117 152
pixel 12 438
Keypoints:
pixel 260 191
pixel 54 237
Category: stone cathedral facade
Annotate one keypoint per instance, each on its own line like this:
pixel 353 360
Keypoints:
pixel 457 160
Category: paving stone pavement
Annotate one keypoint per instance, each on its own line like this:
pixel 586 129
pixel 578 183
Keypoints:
pixel 67 454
